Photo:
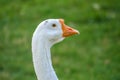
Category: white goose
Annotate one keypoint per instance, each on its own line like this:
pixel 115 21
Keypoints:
pixel 46 34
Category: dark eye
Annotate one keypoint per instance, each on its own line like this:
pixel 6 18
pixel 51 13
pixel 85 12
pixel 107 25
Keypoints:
pixel 53 25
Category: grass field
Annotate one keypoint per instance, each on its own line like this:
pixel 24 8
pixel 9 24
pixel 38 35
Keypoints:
pixel 92 55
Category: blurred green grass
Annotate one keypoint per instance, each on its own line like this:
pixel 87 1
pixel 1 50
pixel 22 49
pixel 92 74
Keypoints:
pixel 92 55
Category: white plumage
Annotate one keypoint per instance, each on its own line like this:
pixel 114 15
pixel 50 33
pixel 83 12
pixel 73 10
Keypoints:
pixel 47 34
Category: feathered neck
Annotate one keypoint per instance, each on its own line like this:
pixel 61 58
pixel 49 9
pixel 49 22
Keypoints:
pixel 42 58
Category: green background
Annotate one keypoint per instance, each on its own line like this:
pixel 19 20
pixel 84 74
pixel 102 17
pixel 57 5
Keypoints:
pixel 92 55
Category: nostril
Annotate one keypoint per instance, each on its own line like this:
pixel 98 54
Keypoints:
pixel 70 29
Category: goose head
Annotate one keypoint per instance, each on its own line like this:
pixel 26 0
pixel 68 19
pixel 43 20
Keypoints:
pixel 54 30
pixel 47 33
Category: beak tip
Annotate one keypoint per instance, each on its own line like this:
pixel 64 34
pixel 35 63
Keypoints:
pixel 77 32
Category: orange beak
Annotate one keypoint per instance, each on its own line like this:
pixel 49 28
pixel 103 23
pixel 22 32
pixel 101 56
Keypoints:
pixel 67 31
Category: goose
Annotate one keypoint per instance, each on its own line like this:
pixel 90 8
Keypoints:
pixel 48 33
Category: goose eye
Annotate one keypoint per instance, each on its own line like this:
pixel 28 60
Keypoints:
pixel 53 25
